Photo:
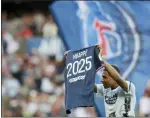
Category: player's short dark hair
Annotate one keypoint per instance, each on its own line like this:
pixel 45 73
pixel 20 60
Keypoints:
pixel 116 68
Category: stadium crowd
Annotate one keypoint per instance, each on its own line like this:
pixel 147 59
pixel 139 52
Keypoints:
pixel 144 104
pixel 32 80
pixel 32 83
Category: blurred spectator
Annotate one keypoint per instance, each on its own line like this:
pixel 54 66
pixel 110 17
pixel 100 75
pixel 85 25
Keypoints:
pixel 58 108
pixel 9 44
pixel 4 46
pixel 47 85
pixel 148 85
pixel 11 86
pixel 145 102
pixel 52 46
pixel 50 29
pixel 4 20
pixel 26 30
pixel 30 106
pixel 51 43
pixel 39 21
pixel 83 112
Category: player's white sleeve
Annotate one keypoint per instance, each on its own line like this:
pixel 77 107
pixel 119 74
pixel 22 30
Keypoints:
pixel 133 100
pixel 100 89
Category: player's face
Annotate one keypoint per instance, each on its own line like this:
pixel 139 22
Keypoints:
pixel 107 81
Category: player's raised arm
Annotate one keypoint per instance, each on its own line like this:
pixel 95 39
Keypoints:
pixel 113 73
pixel 116 76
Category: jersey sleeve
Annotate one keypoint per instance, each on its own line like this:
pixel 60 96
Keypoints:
pixel 131 88
pixel 132 91
pixel 99 90
pixel 98 64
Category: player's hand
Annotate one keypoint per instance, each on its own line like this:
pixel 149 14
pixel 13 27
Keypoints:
pixel 100 51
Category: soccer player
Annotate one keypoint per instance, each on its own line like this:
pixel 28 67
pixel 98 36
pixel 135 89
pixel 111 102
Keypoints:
pixel 119 95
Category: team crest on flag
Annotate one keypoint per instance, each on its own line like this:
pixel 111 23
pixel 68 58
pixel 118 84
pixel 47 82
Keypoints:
pixel 101 26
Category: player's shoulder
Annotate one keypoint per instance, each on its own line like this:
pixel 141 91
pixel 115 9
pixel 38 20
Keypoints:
pixel 131 86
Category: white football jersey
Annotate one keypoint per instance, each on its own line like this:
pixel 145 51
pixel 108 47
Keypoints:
pixel 114 100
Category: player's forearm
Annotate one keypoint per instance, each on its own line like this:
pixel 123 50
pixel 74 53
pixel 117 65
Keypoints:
pixel 116 76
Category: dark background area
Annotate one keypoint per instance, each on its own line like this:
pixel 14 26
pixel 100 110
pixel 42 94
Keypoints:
pixel 17 7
